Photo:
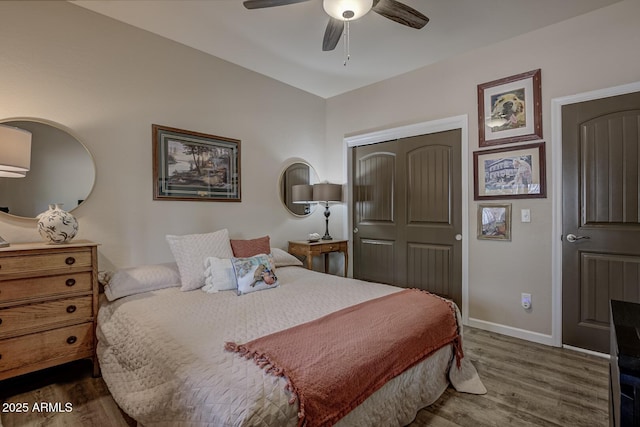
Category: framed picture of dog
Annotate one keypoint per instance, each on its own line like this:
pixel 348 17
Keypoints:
pixel 510 109
pixel 195 166
pixel 510 173
pixel 494 222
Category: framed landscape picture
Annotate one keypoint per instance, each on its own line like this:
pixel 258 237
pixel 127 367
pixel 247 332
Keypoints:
pixel 195 166
pixel 510 173
pixel 494 222
pixel 510 109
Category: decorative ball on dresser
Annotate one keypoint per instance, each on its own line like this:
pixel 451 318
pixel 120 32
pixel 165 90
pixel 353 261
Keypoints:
pixel 56 225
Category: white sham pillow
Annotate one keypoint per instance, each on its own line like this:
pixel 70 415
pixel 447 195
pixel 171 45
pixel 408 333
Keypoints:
pixel 190 251
pixel 282 258
pixel 218 275
pixel 142 278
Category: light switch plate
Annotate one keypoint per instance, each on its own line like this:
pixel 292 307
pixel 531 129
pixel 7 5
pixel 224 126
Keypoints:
pixel 525 215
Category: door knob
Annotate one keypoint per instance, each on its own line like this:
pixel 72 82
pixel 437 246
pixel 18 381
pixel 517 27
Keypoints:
pixel 572 238
pixel 458 237
pixel 355 230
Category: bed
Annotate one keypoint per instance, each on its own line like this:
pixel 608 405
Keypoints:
pixel 162 354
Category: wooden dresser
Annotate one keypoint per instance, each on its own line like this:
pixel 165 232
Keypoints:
pixel 48 305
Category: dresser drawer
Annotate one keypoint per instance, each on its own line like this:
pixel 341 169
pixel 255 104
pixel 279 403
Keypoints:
pixel 44 262
pixel 55 346
pixel 32 316
pixel 332 247
pixel 35 287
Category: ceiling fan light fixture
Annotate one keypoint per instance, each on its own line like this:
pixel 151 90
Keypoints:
pixel 347 10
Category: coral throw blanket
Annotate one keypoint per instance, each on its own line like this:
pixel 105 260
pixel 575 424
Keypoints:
pixel 332 364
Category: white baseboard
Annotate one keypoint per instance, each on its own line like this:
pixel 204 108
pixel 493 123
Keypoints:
pixel 584 350
pixel 528 336
pixel 511 331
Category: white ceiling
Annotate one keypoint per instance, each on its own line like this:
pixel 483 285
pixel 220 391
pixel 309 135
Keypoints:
pixel 285 42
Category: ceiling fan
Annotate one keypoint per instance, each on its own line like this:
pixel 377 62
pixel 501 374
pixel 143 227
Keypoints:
pixel 342 11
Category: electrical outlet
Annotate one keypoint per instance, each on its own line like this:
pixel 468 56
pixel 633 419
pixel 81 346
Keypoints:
pixel 525 300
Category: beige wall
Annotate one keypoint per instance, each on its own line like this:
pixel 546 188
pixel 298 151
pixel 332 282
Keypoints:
pixel 109 82
pixel 593 51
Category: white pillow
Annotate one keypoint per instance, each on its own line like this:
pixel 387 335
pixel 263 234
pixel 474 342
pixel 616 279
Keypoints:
pixel 191 250
pixel 218 275
pixel 143 278
pixel 282 258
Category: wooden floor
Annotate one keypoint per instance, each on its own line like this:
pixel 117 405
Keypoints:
pixel 528 385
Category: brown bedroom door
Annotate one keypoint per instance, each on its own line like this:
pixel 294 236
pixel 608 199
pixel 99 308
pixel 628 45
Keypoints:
pixel 601 215
pixel 407 213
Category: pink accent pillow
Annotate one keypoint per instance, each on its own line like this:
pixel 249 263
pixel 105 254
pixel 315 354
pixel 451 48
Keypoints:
pixel 252 247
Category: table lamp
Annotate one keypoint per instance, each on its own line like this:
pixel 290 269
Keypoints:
pixel 327 193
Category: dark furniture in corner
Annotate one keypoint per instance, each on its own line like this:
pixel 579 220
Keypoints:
pixel 624 365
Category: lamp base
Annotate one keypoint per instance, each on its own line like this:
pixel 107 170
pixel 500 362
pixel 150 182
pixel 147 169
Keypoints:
pixel 326 216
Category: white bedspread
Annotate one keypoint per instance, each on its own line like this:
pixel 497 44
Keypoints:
pixel 162 355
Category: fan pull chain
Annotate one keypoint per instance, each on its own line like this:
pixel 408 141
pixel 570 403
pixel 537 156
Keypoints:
pixel 347 54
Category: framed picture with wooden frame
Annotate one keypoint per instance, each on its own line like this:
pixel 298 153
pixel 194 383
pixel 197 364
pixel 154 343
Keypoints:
pixel 494 222
pixel 510 173
pixel 510 109
pixel 195 166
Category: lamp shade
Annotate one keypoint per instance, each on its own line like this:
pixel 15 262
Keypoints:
pixel 347 9
pixel 326 192
pixel 302 193
pixel 15 152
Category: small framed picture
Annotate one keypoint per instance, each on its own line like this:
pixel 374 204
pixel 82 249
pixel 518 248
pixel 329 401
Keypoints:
pixel 510 173
pixel 195 166
pixel 494 222
pixel 510 109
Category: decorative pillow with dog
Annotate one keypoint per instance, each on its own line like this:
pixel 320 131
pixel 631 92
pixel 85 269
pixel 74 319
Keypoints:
pixel 254 273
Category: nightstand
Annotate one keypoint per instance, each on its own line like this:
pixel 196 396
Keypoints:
pixel 48 306
pixel 322 247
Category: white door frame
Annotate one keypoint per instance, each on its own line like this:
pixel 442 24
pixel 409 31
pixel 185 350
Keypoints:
pixel 424 128
pixel 556 179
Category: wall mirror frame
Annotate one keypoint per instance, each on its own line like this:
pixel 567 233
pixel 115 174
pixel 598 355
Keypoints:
pixel 296 171
pixel 62 171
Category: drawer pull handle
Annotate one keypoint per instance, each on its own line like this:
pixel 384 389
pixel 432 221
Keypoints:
pixel 72 339
pixel 70 282
pixel 71 309
pixel 70 260
pixel 0 321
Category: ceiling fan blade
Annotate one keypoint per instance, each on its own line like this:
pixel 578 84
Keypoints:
pixel 332 34
pixel 400 13
pixel 259 4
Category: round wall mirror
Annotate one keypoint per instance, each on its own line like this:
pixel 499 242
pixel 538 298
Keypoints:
pixel 62 171
pixel 294 174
